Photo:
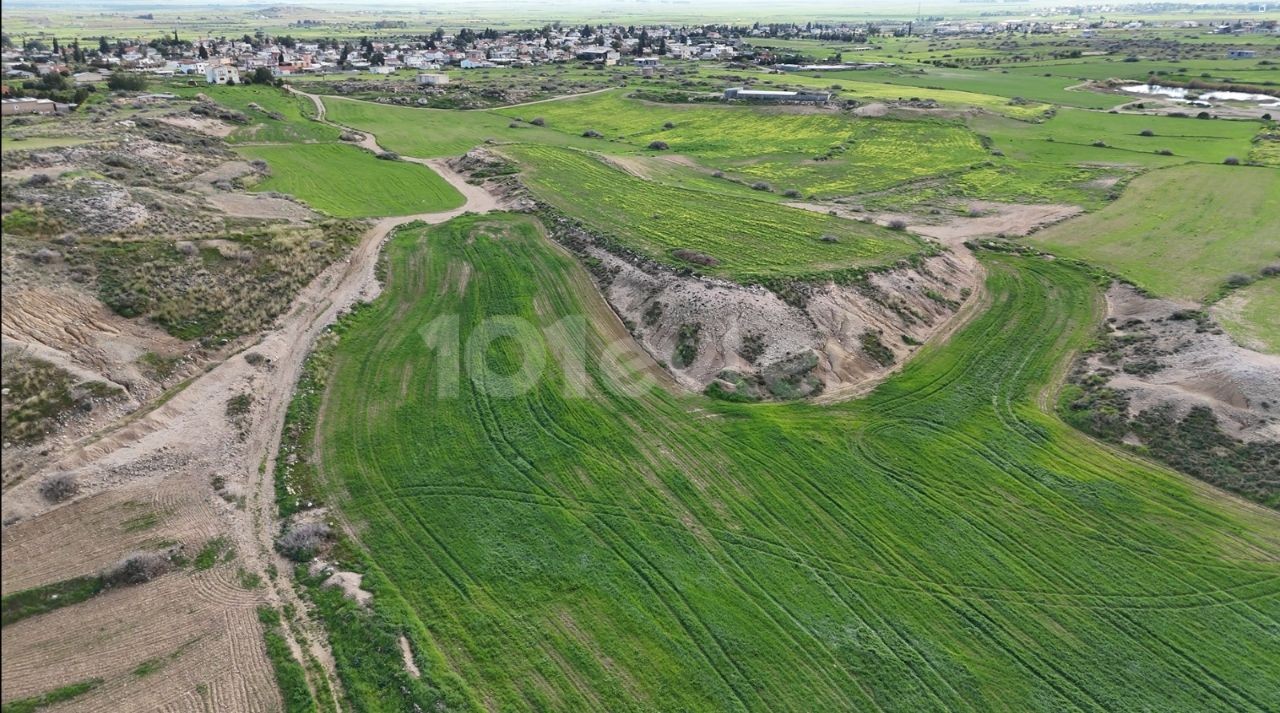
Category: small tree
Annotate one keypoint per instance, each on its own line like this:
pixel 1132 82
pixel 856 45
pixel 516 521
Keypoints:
pixel 262 75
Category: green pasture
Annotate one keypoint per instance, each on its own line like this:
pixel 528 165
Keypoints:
pixel 1252 314
pixel 749 239
pixel 942 544
pixel 296 125
pixel 1180 232
pixel 432 133
pixel 348 182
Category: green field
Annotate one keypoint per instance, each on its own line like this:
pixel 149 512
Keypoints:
pixel 348 182
pixel 1252 315
pixel 1072 133
pixel 1182 231
pixel 432 133
pixel 750 239
pixel 775 145
pixel 942 544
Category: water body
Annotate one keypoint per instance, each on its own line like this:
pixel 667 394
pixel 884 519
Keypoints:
pixel 1202 97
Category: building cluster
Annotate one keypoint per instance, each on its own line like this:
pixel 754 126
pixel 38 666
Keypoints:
pixel 222 61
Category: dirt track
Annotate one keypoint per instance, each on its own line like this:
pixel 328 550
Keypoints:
pixel 178 447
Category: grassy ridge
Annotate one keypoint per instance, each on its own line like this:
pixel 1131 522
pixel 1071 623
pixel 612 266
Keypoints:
pixel 749 238
pixel 293 125
pixel 347 182
pixel 942 544
pixel 1182 231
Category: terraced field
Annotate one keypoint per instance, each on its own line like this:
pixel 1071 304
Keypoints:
pixel 347 182
pixel 942 544
pixel 748 239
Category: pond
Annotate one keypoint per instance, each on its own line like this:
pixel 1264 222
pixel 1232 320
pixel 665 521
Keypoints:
pixel 1202 97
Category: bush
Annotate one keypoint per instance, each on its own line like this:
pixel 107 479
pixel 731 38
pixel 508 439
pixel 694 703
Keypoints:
pixel 695 257
pixel 592 134
pixel 302 542
pixel 59 487
pixel 658 145
pixel 897 224
pixel 126 82
pixel 1238 280
pixel 791 193
pixel 1146 132
pixel 1231 161
pixel 137 568
pixel 389 156
pixel 761 186
pixel 669 125
pixel 1099 144
pixel 538 121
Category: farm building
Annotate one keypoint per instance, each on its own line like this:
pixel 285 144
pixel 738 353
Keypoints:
pixel 776 96
pixel 647 62
pixel 1241 54
pixel 433 80
pixel 26 105
pixel 221 74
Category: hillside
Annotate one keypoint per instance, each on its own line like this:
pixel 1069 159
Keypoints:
pixel 941 544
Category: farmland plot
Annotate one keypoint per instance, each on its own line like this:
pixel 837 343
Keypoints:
pixel 941 545
pixel 747 239
pixel 347 182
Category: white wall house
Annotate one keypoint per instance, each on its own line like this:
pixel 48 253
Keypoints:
pixel 221 74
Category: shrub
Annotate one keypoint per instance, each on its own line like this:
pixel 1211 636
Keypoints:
pixel 791 193
pixel 876 349
pixel 255 359
pixel 761 186
pixel 669 125
pixel 897 224
pixel 1238 280
pixel 59 487
pixel 389 156
pixel 538 121
pixel 695 257
pixel 1099 144
pixel 592 134
pixel 1146 132
pixel 137 568
pixel 1231 161
pixel 126 82
pixel 301 542
pixel 1165 152
pixel 658 145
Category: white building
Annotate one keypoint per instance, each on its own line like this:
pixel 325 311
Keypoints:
pixel 433 80
pixel 222 74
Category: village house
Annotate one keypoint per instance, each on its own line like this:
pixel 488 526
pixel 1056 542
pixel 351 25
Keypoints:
pixel 26 105
pixel 776 96
pixel 222 74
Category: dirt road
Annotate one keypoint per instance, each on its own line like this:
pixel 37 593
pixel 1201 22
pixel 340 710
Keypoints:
pixel 189 439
